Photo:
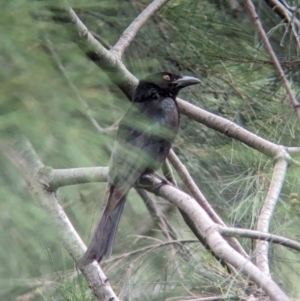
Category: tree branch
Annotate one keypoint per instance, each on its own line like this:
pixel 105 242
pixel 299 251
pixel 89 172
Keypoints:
pixel 162 222
pixel 216 242
pixel 229 128
pixel 276 239
pixel 113 67
pixel 24 157
pixel 216 298
pixel 269 49
pixel 266 213
pixel 199 197
pixel 121 76
pixel 168 172
pixel 55 178
pixel 127 82
pixel 288 14
pixel 131 31
pixel 293 150
pixel 168 230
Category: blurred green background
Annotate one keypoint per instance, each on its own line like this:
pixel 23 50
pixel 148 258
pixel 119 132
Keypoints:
pixel 213 40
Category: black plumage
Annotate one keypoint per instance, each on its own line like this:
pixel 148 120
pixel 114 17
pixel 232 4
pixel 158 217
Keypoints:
pixel 144 138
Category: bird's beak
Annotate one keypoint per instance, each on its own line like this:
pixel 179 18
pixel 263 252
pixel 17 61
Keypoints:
pixel 185 81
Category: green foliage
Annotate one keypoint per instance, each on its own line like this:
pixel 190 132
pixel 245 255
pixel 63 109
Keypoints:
pixel 202 38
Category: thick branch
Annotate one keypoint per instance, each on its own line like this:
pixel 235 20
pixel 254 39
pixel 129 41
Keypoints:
pixel 113 67
pixel 24 157
pixel 217 243
pixel 228 128
pixel 56 178
pixel 205 225
pixel 266 213
pixel 131 31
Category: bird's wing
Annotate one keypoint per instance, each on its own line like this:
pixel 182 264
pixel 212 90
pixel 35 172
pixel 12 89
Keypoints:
pixel 132 154
pixel 143 142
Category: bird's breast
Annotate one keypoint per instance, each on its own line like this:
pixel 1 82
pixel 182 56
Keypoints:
pixel 167 114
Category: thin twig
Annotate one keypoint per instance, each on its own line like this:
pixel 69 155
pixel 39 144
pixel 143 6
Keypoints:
pixel 295 162
pixel 273 57
pixel 276 239
pixel 85 106
pixel 146 228
pixel 131 31
pixel 168 230
pixel 214 298
pixel 192 187
pixel 150 248
pixel 163 223
pixel 168 172
pixel 199 197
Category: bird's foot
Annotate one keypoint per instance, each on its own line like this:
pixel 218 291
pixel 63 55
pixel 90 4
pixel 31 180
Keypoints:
pixel 146 182
pixel 157 186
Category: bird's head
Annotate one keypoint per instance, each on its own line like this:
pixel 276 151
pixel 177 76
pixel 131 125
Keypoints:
pixel 163 84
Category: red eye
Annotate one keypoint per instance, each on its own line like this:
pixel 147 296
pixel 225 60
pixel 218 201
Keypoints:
pixel 166 77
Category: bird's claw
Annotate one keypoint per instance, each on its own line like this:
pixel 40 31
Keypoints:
pixel 157 186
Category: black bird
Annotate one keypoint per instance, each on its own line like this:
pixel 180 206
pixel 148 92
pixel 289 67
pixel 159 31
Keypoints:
pixel 144 139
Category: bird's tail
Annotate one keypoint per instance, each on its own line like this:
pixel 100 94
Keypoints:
pixel 105 233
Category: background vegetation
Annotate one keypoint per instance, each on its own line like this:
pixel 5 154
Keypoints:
pixel 213 40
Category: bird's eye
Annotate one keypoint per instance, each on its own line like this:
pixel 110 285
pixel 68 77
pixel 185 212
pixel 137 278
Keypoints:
pixel 166 77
